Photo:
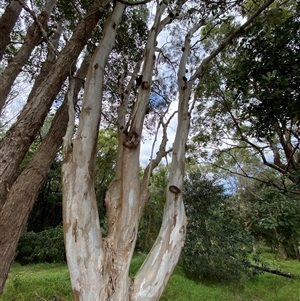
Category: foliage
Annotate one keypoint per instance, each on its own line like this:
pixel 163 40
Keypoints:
pixel 265 76
pixel 273 216
pixel 105 169
pixel 130 129
pixel 151 221
pixel 250 100
pixel 217 246
pixel 47 209
pixel 45 246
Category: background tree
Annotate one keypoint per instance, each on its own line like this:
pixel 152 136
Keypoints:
pixel 152 216
pixel 254 96
pixel 272 216
pixel 218 245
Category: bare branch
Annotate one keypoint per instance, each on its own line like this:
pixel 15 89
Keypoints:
pixel 41 27
pixel 248 176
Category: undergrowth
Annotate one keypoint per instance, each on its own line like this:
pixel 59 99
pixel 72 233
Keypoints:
pixel 51 282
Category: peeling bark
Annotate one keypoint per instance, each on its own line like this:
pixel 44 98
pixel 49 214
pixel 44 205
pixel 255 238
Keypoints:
pixel 99 267
pixel 107 260
pixel 86 253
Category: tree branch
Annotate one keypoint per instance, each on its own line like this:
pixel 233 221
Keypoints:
pixel 37 21
pixel 201 69
pixel 274 271
pixel 268 183
pixel 134 3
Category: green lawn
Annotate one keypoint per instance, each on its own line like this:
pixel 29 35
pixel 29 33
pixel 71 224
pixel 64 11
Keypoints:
pixel 46 281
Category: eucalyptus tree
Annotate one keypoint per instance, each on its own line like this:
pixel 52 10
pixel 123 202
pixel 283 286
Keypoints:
pixel 99 265
pixel 19 193
pixel 106 260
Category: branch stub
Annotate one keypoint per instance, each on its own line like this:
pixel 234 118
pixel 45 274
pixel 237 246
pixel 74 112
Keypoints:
pixel 174 189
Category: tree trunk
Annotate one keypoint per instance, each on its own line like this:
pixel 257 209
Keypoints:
pixel 49 62
pixel 281 248
pixel 18 139
pixel 274 271
pixel 99 268
pixel 7 23
pixel 14 66
pixel 25 189
pixel 86 254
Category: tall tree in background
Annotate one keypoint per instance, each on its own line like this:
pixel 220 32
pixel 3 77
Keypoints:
pixel 254 96
pixel 99 265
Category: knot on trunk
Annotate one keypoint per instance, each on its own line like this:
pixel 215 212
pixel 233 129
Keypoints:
pixel 132 140
pixel 174 189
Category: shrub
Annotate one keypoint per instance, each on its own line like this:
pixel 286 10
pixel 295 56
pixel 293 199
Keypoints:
pixel 217 246
pixel 45 246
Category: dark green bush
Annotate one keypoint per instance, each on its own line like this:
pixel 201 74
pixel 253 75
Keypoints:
pixel 45 246
pixel 217 246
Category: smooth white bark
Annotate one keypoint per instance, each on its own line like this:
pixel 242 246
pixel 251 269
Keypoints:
pixel 84 248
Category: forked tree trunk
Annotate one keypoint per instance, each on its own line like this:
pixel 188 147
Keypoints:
pixel 99 268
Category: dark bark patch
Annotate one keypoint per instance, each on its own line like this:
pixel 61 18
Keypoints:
pixel 145 85
pixel 171 14
pixel 174 189
pixel 74 231
pixel 132 140
pixel 139 80
pixel 76 294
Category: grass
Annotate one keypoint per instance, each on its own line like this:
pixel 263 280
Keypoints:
pixel 46 281
pixel 37 282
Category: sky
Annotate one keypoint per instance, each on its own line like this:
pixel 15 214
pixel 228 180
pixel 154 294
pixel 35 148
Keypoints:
pixel 147 141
